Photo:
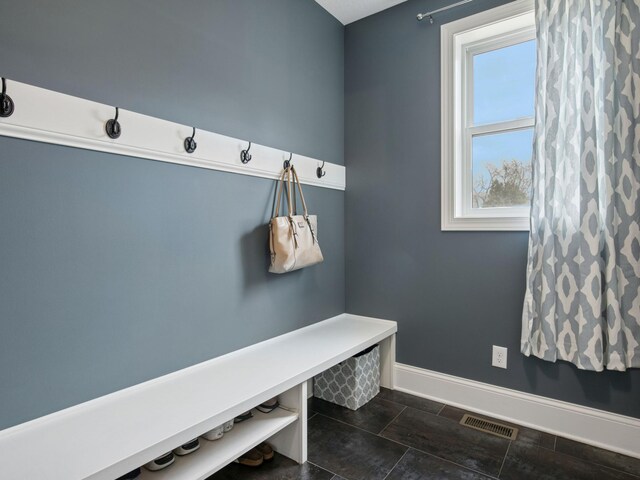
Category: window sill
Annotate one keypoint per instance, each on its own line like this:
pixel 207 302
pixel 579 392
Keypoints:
pixel 496 224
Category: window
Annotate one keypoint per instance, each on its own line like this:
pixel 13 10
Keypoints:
pixel 488 81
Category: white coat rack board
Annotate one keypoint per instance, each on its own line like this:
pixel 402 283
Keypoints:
pixel 46 116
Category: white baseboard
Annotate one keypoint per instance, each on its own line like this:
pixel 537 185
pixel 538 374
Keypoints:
pixel 614 432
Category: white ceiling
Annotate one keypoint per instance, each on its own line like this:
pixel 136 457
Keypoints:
pixel 348 11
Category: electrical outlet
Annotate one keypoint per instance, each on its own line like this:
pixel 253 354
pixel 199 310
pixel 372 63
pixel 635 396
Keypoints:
pixel 499 358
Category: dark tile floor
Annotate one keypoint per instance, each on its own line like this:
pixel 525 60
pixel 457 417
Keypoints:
pixel 401 437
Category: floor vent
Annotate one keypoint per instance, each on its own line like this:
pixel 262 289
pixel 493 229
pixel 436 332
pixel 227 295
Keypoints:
pixel 488 426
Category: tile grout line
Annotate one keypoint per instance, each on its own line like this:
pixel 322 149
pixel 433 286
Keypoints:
pixel 410 447
pixel 325 469
pixel 463 467
pixel 606 467
pixel 486 474
pixel 415 408
pixel 504 460
pixel 358 428
pixel 392 420
pixel 555 450
pixel 441 409
pixel 374 434
pixel 399 460
pixel 613 469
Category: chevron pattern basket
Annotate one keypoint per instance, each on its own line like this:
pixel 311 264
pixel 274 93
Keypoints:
pixel 351 383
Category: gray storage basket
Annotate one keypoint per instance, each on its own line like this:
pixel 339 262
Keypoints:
pixel 351 383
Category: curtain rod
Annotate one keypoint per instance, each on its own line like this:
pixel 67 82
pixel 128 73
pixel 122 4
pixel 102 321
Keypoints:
pixel 429 15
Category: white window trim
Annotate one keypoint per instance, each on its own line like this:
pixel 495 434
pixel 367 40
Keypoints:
pixel 455 139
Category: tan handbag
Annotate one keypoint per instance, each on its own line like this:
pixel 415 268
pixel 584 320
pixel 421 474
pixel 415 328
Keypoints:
pixel 293 240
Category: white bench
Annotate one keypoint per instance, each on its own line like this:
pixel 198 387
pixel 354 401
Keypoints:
pixel 111 435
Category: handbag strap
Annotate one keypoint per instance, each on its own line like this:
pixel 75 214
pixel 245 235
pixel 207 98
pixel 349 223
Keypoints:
pixel 297 182
pixel 286 177
pixel 304 205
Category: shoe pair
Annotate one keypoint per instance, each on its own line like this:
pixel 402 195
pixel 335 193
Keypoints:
pixel 187 448
pixel 268 406
pixel 218 432
pixel 163 461
pixel 257 455
pixel 245 416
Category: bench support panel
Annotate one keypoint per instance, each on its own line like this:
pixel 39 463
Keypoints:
pixel 291 441
pixel 387 362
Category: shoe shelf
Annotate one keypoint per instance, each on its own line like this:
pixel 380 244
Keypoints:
pixel 214 455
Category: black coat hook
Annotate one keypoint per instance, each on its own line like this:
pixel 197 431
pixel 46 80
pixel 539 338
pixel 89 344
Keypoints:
pixel 113 126
pixel 190 144
pixel 320 171
pixel 6 103
pixel 287 163
pixel 245 156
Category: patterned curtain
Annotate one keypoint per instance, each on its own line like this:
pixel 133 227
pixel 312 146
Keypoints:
pixel 582 301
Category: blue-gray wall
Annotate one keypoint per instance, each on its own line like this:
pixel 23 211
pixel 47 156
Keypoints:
pixel 115 270
pixel 454 294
